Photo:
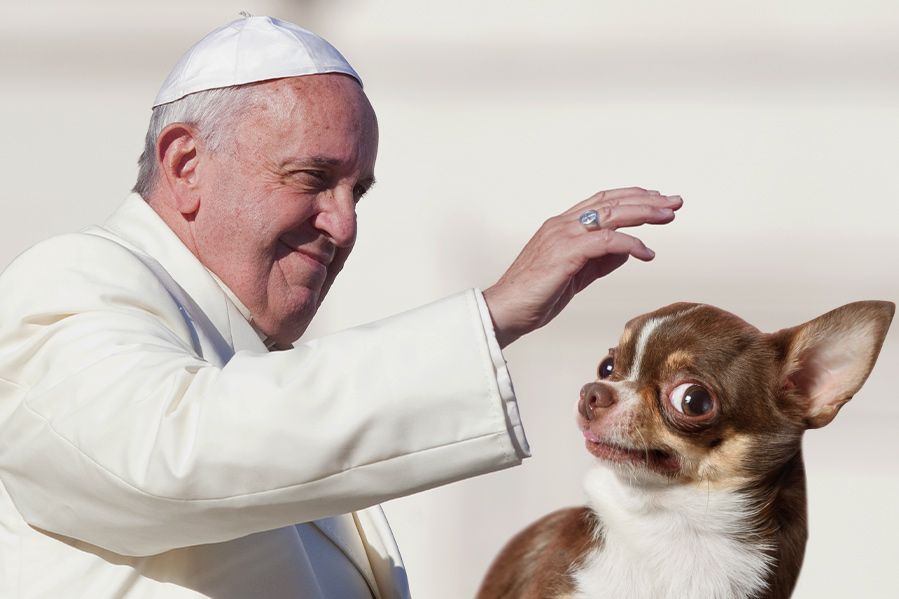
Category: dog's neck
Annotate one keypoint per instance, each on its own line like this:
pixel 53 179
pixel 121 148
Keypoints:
pixel 676 541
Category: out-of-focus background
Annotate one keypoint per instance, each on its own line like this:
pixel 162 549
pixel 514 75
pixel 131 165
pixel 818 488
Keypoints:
pixel 777 122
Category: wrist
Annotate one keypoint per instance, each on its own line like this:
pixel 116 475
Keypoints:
pixel 496 307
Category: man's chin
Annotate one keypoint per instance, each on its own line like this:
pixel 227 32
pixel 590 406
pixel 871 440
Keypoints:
pixel 288 321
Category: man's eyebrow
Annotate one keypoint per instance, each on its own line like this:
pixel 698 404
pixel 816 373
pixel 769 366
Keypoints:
pixel 313 161
pixel 324 161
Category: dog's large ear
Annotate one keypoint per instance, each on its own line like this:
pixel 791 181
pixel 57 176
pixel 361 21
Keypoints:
pixel 828 359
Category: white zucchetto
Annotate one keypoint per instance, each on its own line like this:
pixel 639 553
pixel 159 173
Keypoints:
pixel 251 49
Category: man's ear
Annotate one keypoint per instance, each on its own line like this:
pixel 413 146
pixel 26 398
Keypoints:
pixel 828 359
pixel 176 151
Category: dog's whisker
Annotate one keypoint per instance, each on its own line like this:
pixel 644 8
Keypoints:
pixel 644 443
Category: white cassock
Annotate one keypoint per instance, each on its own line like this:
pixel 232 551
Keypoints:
pixel 150 446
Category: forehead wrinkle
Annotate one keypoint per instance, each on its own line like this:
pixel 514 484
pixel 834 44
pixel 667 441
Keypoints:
pixel 648 328
pixel 724 349
pixel 321 101
pixel 688 341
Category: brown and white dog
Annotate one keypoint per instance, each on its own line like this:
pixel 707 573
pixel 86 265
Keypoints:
pixel 699 492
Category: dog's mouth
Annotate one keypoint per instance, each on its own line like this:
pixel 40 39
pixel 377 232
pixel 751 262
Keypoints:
pixel 654 459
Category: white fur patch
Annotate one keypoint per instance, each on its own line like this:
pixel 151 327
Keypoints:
pixel 670 542
pixel 645 331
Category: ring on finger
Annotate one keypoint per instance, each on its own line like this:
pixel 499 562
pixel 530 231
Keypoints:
pixel 590 219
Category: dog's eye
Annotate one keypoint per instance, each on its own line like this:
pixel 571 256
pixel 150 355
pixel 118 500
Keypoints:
pixel 606 367
pixel 691 399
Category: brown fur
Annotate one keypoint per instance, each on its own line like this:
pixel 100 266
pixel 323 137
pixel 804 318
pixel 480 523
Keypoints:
pixel 768 390
pixel 551 547
pixel 783 519
pixel 537 563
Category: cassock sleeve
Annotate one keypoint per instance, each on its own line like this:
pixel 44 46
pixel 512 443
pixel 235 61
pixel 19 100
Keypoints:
pixel 115 432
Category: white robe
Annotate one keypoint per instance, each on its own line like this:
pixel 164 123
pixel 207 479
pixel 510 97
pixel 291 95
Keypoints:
pixel 151 447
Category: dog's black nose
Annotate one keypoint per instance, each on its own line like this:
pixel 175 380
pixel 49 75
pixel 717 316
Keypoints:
pixel 593 396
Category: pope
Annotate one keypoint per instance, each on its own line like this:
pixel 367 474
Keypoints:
pixel 163 433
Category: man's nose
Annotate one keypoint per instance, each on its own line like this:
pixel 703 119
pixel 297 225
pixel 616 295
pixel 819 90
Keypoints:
pixel 337 218
pixel 594 397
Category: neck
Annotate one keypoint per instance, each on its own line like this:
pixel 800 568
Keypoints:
pixel 782 518
pixel 657 539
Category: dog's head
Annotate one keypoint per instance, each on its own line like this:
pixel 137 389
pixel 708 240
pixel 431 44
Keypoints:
pixel 693 393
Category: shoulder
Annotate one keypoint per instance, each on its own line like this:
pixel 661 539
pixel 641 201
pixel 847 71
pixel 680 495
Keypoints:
pixel 70 252
pixel 539 561
pixel 75 272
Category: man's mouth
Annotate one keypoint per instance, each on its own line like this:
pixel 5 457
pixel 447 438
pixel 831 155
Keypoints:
pixel 319 258
pixel 654 459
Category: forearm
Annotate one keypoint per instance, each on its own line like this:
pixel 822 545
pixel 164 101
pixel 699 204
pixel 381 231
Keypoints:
pixel 142 450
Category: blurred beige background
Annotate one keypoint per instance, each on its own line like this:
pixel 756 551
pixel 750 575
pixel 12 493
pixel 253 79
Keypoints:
pixel 776 121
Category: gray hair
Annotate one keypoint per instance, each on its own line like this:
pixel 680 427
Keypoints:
pixel 211 111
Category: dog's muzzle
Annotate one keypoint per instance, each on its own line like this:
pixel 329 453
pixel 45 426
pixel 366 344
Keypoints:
pixel 595 396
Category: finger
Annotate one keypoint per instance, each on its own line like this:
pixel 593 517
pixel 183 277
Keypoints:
pixel 614 217
pixel 633 215
pixel 607 241
pixel 611 195
pixel 628 196
pixel 597 268
pixel 673 202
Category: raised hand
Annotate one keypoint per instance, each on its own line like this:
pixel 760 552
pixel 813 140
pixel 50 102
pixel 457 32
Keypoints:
pixel 565 256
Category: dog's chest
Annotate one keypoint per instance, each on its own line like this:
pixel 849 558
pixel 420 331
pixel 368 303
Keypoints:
pixel 670 543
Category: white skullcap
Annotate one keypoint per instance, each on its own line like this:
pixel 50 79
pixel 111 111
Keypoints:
pixel 251 49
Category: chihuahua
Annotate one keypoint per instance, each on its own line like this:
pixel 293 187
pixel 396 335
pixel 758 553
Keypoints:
pixel 696 419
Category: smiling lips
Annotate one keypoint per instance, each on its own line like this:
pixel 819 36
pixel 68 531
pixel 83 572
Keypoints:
pixel 309 251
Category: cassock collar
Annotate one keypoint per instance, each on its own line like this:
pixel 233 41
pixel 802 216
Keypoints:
pixel 139 225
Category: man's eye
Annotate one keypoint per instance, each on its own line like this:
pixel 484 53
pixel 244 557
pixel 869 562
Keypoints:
pixel 316 178
pixel 316 174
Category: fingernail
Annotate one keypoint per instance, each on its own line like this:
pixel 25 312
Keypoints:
pixel 676 198
pixel 666 212
pixel 652 254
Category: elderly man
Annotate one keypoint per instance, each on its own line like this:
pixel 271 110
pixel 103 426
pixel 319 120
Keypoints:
pixel 151 444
